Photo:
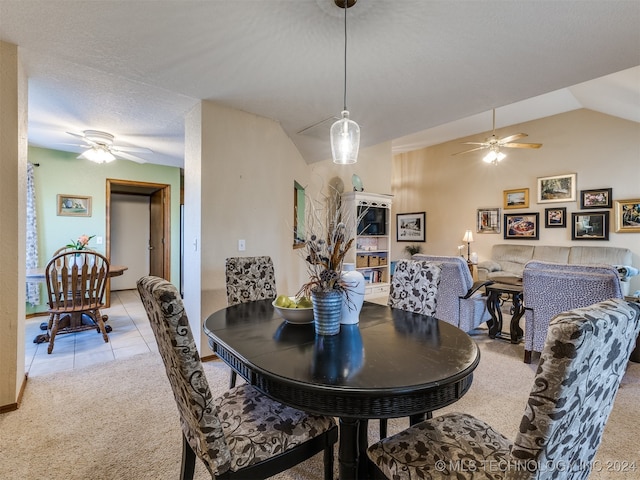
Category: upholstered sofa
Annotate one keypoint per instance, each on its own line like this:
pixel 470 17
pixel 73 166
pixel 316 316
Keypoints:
pixel 508 260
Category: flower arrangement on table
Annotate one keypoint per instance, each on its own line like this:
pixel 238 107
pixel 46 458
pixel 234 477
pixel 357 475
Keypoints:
pixel 81 243
pixel 329 236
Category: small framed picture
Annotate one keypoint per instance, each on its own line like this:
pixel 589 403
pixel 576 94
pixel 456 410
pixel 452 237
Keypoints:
pixel 598 198
pixel 411 227
pixel 560 188
pixel 518 198
pixel 628 216
pixel 590 225
pixel 74 205
pixel 521 226
pixel 555 217
pixel 488 220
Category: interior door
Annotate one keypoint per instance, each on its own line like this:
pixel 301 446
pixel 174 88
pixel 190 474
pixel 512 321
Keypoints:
pixel 156 234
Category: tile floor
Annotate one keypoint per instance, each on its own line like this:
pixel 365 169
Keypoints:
pixel 131 335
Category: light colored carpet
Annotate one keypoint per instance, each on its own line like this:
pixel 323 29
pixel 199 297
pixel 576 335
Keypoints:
pixel 119 420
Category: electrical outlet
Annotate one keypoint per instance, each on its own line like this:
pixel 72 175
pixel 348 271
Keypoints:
pixel 98 240
pixel 241 246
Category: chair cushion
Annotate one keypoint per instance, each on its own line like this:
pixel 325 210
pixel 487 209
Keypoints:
pixel 257 428
pixel 441 447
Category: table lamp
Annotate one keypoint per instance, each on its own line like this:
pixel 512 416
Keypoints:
pixel 468 238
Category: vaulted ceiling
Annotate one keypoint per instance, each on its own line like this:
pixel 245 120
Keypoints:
pixel 420 72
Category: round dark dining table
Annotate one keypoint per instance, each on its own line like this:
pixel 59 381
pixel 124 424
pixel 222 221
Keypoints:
pixel 392 364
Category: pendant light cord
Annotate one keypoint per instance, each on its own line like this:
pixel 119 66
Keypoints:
pixel 345 54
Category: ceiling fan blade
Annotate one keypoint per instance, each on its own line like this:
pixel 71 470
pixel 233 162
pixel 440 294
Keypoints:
pixel 512 137
pixel 79 135
pixel 476 143
pixel 75 145
pixel 467 151
pixel 522 145
pixel 128 156
pixel 121 148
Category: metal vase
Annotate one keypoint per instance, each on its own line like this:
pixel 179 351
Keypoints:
pixel 327 310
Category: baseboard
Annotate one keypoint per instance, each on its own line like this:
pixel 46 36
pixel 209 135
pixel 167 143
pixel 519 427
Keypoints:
pixel 210 358
pixel 14 406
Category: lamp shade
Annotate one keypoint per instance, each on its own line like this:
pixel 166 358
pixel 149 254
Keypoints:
pixel 345 140
pixel 468 236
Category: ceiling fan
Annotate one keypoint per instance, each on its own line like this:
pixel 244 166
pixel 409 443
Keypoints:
pixel 494 144
pixel 100 148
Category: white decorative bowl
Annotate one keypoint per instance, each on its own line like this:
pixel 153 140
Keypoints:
pixel 294 315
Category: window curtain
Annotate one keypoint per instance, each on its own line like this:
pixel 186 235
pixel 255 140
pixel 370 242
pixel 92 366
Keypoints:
pixel 33 289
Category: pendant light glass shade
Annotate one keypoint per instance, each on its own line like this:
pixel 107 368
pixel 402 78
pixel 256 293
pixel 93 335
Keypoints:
pixel 345 140
pixel 345 133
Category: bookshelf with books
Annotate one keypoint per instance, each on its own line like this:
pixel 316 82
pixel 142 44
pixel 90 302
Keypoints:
pixel 371 255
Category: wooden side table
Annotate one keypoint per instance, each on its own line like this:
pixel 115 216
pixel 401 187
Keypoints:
pixel 495 293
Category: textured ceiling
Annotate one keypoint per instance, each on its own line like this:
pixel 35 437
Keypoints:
pixel 419 71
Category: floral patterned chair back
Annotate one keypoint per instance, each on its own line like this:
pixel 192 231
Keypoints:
pixel 581 366
pixel 414 286
pixel 249 279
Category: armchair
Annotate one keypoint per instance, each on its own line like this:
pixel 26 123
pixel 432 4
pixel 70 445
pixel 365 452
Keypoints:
pixel 583 361
pixel 459 300
pixel 550 288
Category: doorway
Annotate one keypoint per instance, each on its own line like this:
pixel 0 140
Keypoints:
pixel 154 237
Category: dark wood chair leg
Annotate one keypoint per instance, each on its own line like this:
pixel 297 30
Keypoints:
pixel 383 428
pixel 232 379
pixel 328 462
pixel 188 461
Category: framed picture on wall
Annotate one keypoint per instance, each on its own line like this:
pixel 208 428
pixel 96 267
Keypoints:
pixel 559 188
pixel 590 225
pixel 628 216
pixel 74 205
pixel 599 198
pixel 555 217
pixel 521 226
pixel 411 227
pixel 488 220
pixel 517 198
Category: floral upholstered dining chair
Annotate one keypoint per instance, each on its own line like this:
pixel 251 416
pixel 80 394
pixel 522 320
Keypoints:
pixel 584 358
pixel 242 434
pixel 249 279
pixel 414 286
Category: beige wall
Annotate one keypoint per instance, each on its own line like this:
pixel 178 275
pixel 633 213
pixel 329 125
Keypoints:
pixel 13 166
pixel 603 151
pixel 240 170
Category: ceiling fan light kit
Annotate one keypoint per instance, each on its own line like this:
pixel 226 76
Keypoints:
pixel 98 155
pixel 494 144
pixel 345 133
pixel 100 148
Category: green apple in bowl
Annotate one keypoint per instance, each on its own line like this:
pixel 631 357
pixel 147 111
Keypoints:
pixel 294 309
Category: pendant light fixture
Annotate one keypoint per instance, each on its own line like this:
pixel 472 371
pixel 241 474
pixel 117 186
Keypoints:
pixel 345 133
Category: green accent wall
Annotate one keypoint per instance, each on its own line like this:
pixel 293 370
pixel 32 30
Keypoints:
pixel 62 173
